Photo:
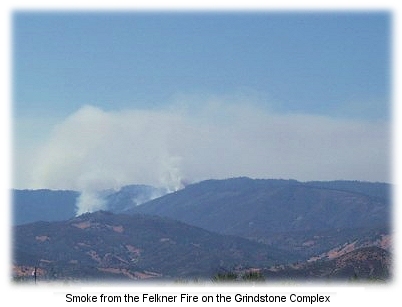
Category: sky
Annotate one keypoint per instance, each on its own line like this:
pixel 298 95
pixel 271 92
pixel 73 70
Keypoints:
pixel 105 99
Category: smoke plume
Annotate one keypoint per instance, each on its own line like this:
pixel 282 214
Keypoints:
pixel 93 149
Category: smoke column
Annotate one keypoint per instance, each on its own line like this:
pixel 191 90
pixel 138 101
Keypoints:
pixel 94 150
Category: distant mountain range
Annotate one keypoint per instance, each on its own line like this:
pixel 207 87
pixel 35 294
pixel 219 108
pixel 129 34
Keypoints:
pixel 304 217
pixel 247 207
pixel 58 205
pixel 235 224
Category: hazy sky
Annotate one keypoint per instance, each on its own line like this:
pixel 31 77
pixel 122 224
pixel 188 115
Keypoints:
pixel 106 99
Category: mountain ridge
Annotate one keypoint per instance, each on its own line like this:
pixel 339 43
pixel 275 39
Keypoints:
pixel 231 224
pixel 106 245
pixel 304 206
pixel 51 205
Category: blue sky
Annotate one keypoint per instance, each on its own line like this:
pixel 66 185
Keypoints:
pixel 311 62
pixel 326 68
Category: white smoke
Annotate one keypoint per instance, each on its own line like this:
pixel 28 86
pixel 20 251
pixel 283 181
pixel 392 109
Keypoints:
pixel 94 150
pixel 90 201
pixel 171 176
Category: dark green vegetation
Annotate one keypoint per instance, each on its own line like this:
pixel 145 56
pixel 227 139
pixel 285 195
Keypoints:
pixel 260 207
pixel 240 276
pixel 105 245
pixel 302 218
pixel 236 229
pixel 366 264
pixel 363 264
pixel 130 196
